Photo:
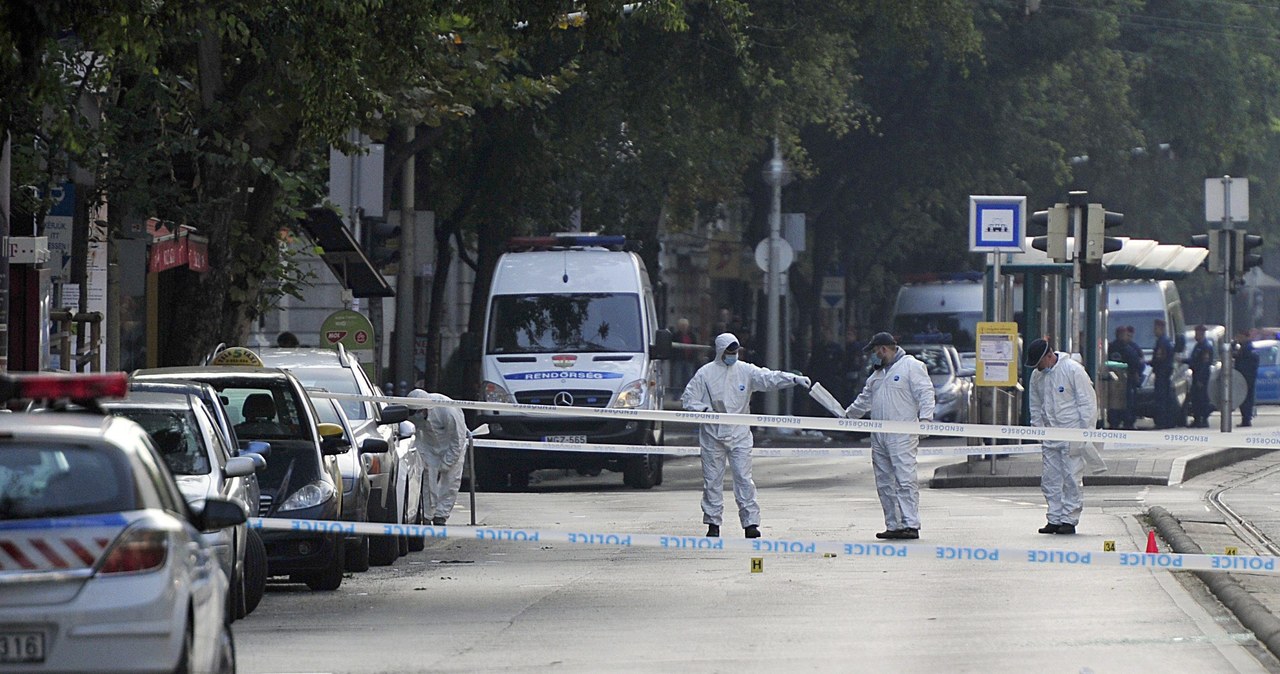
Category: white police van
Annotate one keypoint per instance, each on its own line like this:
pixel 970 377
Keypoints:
pixel 571 322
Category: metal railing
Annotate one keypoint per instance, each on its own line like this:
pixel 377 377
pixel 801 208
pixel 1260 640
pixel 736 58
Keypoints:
pixel 69 327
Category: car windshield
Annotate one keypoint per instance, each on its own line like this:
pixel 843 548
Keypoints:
pixel 265 411
pixel 591 322
pixel 50 480
pixel 176 435
pixel 934 359
pixel 334 380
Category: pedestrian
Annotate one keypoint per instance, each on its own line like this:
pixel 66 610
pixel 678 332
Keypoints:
pixel 686 360
pixel 1125 351
pixel 442 432
pixel 1201 362
pixel 725 385
pixel 898 390
pixel 1166 406
pixel 1062 396
pixel 1246 363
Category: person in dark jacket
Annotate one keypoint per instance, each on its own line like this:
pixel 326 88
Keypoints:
pixel 1123 350
pixel 1166 406
pixel 1201 362
pixel 1246 363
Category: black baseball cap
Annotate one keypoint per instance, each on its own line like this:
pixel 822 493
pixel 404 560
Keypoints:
pixel 1036 351
pixel 879 339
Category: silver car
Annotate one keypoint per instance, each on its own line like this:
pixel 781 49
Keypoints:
pixel 185 435
pixel 952 385
pixel 103 566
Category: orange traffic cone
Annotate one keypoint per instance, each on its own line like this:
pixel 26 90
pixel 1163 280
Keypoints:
pixel 1152 548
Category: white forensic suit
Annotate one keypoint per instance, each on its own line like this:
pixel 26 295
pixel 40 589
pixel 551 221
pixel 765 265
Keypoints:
pixel 727 388
pixel 443 437
pixel 1062 396
pixel 897 391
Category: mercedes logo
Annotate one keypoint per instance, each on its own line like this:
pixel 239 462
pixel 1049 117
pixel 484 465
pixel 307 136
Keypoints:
pixel 564 399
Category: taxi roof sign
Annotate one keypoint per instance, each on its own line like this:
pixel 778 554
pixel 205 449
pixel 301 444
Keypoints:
pixel 237 355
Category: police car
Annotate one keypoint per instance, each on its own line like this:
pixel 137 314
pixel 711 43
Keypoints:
pixel 103 566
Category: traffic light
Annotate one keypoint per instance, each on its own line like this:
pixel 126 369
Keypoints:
pixel 381 241
pixel 1214 262
pixel 1056 222
pixel 1245 260
pixel 1097 243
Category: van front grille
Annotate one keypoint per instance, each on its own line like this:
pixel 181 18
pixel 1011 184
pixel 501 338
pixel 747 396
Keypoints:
pixel 581 398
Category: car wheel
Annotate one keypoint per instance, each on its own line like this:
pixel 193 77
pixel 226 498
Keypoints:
pixel 330 578
pixel 255 570
pixel 235 597
pixel 657 480
pixel 418 543
pixel 385 550
pixel 642 471
pixel 358 554
pixel 184 657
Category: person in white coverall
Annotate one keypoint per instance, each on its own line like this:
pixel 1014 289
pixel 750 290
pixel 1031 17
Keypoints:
pixel 898 390
pixel 1062 396
pixel 725 385
pixel 442 432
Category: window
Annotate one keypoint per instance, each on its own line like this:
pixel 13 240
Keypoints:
pixel 175 436
pixel 586 322
pixel 336 380
pixel 54 480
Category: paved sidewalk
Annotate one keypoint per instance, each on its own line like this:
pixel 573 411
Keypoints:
pixel 1128 466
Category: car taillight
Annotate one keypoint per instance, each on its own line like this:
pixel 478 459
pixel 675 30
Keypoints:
pixel 137 551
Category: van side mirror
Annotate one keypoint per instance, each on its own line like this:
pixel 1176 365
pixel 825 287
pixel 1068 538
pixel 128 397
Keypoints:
pixel 469 347
pixel 661 347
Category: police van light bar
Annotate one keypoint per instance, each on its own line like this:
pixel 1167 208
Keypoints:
pixel 566 240
pixel 65 386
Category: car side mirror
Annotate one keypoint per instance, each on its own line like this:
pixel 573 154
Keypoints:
pixel 257 447
pixel 407 430
pixel 259 461
pixel 393 414
pixel 374 446
pixel 240 466
pixel 660 349
pixel 219 513
pixel 335 444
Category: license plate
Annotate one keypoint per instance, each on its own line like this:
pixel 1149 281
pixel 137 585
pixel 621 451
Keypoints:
pixel 21 647
pixel 579 439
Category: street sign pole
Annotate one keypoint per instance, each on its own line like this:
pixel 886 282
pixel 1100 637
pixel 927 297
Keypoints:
pixel 1226 199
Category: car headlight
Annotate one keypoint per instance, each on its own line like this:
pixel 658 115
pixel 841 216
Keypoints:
pixel 496 393
pixel 630 396
pixel 309 496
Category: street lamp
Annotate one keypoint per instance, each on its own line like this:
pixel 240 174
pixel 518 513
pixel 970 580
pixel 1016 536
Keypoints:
pixel 776 174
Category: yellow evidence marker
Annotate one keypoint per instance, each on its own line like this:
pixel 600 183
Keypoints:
pixel 1232 550
pixel 757 565
pixel 1108 546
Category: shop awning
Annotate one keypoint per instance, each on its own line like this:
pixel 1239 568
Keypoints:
pixel 343 255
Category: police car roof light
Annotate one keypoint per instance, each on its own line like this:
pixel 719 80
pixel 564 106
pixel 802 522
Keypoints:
pixel 67 386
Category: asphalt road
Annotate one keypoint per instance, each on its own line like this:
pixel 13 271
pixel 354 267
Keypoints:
pixel 465 605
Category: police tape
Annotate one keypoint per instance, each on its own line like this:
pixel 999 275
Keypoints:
pixel 1189 437
pixel 685 450
pixel 915 551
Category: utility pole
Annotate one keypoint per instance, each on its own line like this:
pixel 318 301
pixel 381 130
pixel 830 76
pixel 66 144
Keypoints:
pixel 775 175
pixel 405 322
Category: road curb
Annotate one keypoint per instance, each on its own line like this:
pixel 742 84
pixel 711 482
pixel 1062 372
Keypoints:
pixel 1249 611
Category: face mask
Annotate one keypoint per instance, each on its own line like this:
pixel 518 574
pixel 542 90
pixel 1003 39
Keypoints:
pixel 730 360
pixel 876 360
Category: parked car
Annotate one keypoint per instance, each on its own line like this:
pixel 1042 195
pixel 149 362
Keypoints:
pixel 103 565
pixel 952 384
pixel 355 479
pixel 301 481
pixel 1266 390
pixel 395 477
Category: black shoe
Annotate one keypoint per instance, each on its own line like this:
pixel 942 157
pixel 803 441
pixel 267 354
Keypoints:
pixel 713 531
pixel 889 533
pixel 752 531
pixel 1066 529
pixel 1049 528
pixel 437 521
pixel 1245 423
pixel 910 533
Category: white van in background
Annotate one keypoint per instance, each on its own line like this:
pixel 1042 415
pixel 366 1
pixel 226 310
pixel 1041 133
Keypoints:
pixel 1140 304
pixel 571 322
pixel 942 308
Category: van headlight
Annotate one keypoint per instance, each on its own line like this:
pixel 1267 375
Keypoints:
pixel 309 496
pixel 496 393
pixel 630 396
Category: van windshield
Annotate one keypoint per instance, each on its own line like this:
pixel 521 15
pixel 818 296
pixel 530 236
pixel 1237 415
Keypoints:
pixel 583 322
pixel 931 328
pixel 1143 323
